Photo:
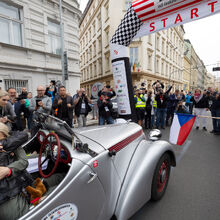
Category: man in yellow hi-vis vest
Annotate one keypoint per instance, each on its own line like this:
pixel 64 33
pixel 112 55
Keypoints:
pixel 140 105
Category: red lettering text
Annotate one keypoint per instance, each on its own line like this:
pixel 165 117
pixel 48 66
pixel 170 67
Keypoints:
pixel 178 18
pixel 152 26
pixel 213 6
pixel 164 22
pixel 194 11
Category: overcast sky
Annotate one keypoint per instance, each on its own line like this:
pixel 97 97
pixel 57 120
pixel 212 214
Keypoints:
pixel 204 34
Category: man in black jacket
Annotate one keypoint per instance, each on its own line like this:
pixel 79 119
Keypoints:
pixel 105 109
pixel 82 108
pixel 63 106
pixel 162 99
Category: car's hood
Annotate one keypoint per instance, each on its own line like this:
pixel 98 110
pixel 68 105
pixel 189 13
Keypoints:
pixel 109 135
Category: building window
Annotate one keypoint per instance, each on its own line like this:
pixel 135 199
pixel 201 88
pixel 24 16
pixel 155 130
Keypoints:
pixel 95 70
pixel 162 68
pixel 157 66
pixel 107 11
pixel 158 43
pixel 10 24
pixel 133 56
pixel 54 37
pixel 127 4
pixel 149 61
pixel 107 37
pixel 94 47
pixel 17 84
pixel 94 28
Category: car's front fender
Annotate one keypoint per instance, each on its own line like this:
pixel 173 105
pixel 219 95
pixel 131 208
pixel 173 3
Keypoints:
pixel 136 189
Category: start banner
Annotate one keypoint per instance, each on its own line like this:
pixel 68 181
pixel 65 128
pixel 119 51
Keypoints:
pixel 145 17
pixel 157 15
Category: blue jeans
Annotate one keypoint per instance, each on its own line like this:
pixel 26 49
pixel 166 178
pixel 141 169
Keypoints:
pixel 218 120
pixel 102 120
pixel 153 116
pixel 161 112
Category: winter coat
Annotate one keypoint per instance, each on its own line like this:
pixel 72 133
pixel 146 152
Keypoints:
pixel 46 102
pixel 79 104
pixel 8 111
pixel 105 109
pixel 161 100
pixel 202 103
pixel 19 178
pixel 69 100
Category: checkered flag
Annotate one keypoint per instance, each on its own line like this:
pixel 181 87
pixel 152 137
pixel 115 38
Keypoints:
pixel 128 28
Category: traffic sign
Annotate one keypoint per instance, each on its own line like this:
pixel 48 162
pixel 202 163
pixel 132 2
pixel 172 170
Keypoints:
pixel 96 88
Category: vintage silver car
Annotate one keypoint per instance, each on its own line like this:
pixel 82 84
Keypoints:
pixel 110 171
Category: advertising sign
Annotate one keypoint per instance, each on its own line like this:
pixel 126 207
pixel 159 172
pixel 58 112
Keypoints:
pixel 121 87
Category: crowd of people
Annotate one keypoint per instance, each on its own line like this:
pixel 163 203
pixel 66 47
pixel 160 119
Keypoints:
pixel 156 108
pixel 18 110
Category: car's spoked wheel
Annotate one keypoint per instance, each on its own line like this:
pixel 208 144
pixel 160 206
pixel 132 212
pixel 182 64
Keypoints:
pixel 161 177
pixel 47 147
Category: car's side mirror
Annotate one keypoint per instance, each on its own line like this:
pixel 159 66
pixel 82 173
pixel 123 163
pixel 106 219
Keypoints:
pixel 155 135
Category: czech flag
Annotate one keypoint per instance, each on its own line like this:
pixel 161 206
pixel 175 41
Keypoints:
pixel 181 127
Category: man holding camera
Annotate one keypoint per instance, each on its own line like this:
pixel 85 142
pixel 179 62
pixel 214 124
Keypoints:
pixel 108 91
pixel 105 109
pixel 161 99
pixel 82 108
pixel 63 105
pixel 41 103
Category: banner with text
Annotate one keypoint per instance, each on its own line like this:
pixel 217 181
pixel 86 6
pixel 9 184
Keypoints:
pixel 159 15
pixel 145 17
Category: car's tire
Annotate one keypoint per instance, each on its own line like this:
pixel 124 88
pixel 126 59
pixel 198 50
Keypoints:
pixel 161 177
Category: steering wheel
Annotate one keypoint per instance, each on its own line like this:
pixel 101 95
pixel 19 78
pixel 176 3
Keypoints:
pixel 51 141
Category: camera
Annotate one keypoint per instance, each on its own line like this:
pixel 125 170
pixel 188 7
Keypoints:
pixel 53 82
pixel 37 102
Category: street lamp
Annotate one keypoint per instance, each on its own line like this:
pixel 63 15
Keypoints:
pixel 62 46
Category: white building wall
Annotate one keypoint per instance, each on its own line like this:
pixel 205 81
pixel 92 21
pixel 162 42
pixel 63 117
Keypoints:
pixel 33 61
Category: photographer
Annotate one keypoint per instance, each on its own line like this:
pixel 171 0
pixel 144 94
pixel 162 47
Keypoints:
pixel 161 99
pixel 108 90
pixel 140 105
pixel 7 114
pixel 181 108
pixel 82 108
pixel 64 105
pixel 40 103
pixel 105 109
pixel 51 90
pixel 23 94
pixel 157 86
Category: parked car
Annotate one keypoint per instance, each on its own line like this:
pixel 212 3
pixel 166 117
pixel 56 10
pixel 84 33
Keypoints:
pixel 110 171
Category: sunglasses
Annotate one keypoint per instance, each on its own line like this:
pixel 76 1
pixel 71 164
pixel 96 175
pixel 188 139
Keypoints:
pixel 5 100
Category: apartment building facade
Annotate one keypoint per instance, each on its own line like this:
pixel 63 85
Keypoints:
pixel 30 46
pixel 153 57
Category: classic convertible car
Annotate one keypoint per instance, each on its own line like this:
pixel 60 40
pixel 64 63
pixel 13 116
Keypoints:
pixel 110 171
